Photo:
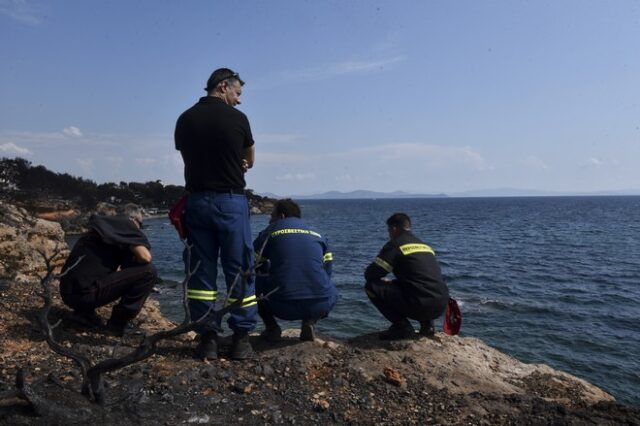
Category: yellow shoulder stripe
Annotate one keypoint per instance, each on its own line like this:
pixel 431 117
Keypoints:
pixel 408 249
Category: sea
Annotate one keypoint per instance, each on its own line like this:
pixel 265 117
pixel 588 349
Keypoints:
pixel 553 280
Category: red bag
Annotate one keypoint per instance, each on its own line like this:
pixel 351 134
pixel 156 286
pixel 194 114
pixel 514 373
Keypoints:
pixel 452 318
pixel 176 216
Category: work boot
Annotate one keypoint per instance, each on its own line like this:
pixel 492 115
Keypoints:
pixel 87 319
pixel 397 331
pixel 272 333
pixel 241 346
pixel 426 328
pixel 307 332
pixel 121 328
pixel 208 346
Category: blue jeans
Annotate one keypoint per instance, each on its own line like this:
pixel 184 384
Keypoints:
pixel 218 225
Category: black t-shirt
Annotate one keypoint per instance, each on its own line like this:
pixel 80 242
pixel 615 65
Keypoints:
pixel 211 137
pixel 413 263
pixel 105 248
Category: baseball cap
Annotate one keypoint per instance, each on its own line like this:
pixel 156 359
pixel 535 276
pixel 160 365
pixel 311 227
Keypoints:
pixel 220 75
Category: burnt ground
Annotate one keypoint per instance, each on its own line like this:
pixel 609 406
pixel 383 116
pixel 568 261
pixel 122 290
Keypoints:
pixel 292 382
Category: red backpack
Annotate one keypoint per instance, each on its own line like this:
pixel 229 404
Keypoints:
pixel 176 216
pixel 452 318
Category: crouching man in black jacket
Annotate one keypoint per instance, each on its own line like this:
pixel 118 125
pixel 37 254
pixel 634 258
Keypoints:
pixel 115 264
pixel 418 292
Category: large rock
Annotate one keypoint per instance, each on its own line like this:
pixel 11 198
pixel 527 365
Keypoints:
pixel 22 239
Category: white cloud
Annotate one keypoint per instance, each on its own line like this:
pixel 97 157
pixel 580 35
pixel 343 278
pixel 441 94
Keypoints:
pixel 86 164
pixel 428 155
pixel 114 162
pixel 296 177
pixel 11 148
pixel 146 161
pixel 72 131
pixel 415 167
pixel 277 138
pixel 342 68
pixel 594 163
pixel 21 11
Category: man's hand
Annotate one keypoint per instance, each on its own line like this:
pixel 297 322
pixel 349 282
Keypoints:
pixel 244 165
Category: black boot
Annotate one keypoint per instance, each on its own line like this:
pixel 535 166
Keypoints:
pixel 426 328
pixel 307 331
pixel 398 331
pixel 241 346
pixel 208 346
pixel 120 327
pixel 87 319
pixel 272 332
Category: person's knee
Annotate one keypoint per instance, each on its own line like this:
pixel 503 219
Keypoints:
pixel 368 288
pixel 151 276
pixel 151 270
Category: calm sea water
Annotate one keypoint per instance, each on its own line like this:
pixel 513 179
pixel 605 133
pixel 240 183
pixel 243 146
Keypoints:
pixel 548 280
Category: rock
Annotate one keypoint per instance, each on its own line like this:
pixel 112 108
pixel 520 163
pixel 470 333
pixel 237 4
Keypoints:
pixel 22 237
pixel 393 376
pixel 199 419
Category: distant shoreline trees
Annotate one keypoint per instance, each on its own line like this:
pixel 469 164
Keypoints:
pixel 22 182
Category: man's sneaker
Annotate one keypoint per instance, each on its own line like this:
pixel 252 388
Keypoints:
pixel 427 329
pixel 87 319
pixel 241 346
pixel 307 331
pixel 397 332
pixel 272 334
pixel 208 346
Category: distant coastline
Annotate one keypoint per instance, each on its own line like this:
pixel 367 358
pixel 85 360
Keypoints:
pixel 488 193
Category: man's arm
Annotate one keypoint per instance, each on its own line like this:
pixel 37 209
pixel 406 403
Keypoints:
pixel 141 254
pixel 382 265
pixel 248 157
pixel 327 258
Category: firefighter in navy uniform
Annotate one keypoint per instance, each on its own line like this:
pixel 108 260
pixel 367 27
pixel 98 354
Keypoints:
pixel 418 292
pixel 299 265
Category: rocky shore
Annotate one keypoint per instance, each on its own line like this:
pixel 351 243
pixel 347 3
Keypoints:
pixel 440 380
pixel 72 218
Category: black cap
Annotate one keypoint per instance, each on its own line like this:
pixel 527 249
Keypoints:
pixel 219 75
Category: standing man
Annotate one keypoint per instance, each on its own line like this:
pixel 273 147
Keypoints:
pixel 418 292
pixel 299 267
pixel 217 148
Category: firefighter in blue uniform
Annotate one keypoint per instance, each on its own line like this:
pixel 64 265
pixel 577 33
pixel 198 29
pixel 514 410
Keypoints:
pixel 296 260
pixel 418 292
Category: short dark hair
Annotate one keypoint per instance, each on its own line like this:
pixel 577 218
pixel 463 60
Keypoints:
pixel 399 220
pixel 288 208
pixel 220 75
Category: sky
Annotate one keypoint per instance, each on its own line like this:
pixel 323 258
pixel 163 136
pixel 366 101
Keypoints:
pixel 419 96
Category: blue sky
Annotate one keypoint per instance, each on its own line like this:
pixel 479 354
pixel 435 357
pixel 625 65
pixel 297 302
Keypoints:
pixel 420 96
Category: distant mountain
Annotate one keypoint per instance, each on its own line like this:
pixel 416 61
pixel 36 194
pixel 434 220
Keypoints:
pixel 495 192
pixel 270 195
pixel 515 192
pixel 363 194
